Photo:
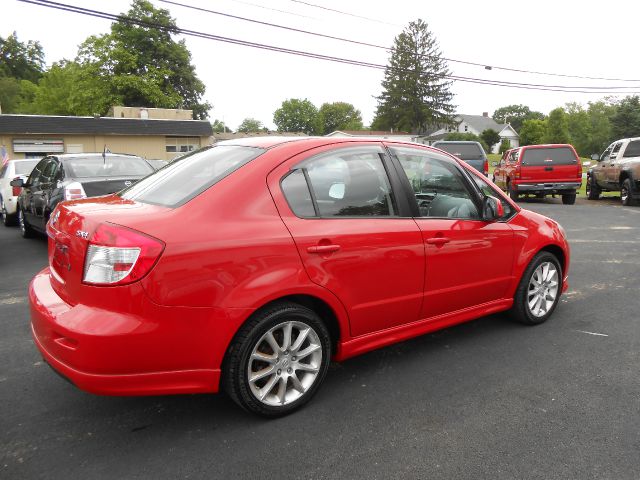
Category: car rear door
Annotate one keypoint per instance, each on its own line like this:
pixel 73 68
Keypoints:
pixel 611 167
pixel 41 195
pixel 342 207
pixel 469 262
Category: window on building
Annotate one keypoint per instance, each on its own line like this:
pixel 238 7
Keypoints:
pixel 182 144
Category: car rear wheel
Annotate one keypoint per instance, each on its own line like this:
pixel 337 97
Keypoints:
pixel 7 220
pixel 515 196
pixel 539 290
pixel 625 193
pixel 569 198
pixel 25 228
pixel 277 360
pixel 592 189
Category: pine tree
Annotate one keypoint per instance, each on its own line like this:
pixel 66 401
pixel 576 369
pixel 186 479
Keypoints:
pixel 416 93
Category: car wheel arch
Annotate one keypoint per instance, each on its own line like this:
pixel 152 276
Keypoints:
pixel 557 252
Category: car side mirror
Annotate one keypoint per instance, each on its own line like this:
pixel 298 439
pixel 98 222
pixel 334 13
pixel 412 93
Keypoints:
pixel 492 209
pixel 17 182
pixel 494 164
pixel 595 157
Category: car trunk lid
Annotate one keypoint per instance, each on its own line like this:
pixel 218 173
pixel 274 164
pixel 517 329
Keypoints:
pixel 97 186
pixel 70 229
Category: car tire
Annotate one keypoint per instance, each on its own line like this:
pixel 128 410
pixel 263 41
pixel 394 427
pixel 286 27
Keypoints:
pixel 282 380
pixel 513 194
pixel 25 229
pixel 539 290
pixel 7 220
pixel 625 193
pixel 569 198
pixel 592 189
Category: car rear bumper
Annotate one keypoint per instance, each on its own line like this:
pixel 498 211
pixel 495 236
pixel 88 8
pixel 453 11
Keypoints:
pixel 10 204
pixel 564 187
pixel 112 353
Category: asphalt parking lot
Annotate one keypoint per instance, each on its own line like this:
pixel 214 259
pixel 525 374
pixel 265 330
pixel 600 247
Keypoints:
pixel 487 399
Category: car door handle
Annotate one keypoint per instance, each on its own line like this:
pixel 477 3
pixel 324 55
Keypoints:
pixel 438 241
pixel 323 248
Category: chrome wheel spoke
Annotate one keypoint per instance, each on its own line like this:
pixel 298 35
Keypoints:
pixel 275 359
pixel 543 289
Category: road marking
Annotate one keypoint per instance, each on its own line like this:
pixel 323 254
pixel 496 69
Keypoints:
pixel 593 333
pixel 12 300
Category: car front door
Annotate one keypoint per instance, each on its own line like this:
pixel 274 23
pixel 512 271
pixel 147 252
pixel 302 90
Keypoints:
pixel 32 190
pixel 353 232
pixel 469 262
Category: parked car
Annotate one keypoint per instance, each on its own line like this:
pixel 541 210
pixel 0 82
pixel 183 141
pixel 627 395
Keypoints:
pixel 617 170
pixel 8 194
pixel 470 152
pixel 242 267
pixel 540 170
pixel 71 176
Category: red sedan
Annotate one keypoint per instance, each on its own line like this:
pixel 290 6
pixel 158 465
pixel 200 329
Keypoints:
pixel 249 265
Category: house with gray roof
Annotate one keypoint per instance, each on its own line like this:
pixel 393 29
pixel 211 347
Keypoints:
pixel 476 124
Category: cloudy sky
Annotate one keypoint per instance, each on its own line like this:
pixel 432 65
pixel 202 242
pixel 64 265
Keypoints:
pixel 569 38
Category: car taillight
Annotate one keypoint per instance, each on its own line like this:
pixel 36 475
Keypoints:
pixel 485 167
pixel 516 172
pixel 118 255
pixel 15 191
pixel 579 170
pixel 74 191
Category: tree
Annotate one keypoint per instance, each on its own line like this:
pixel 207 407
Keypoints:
pixel 579 126
pixel 415 91
pixel 250 125
pixel 504 146
pixel 219 126
pixel 9 94
pixel 600 115
pixel 338 116
pixel 557 127
pixel 22 61
pixel 296 115
pixel 141 65
pixel 626 121
pixel 490 137
pixel 467 137
pixel 533 132
pixel 516 115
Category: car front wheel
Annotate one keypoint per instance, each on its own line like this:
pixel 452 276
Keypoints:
pixel 515 196
pixel 277 360
pixel 539 290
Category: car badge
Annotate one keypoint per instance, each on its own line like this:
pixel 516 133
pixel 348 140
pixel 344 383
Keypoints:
pixel 127 183
pixel 82 234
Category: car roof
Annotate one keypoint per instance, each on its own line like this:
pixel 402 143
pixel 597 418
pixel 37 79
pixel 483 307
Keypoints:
pixel 70 156
pixel 455 141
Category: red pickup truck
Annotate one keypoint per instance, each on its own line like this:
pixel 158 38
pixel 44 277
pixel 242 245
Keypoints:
pixel 540 170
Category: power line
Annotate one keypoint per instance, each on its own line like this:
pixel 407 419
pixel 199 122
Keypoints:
pixel 274 9
pixel 321 7
pixel 387 49
pixel 502 83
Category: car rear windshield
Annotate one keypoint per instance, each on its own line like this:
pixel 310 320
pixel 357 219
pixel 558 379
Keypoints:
pixel 190 175
pixel 109 166
pixel 548 156
pixel 464 151
pixel 24 167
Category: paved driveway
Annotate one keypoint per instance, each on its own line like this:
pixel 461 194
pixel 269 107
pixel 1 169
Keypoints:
pixel 488 399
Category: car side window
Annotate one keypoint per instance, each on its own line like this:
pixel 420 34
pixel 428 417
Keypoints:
pixel 438 185
pixel 615 150
pixel 489 191
pixel 606 153
pixel 34 178
pixel 350 182
pixel 49 171
pixel 632 150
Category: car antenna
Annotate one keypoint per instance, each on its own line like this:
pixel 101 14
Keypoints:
pixel 105 150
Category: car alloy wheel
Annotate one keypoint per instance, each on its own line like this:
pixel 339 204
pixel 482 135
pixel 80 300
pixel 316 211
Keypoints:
pixel 539 290
pixel 625 193
pixel 277 360
pixel 284 363
pixel 543 289
pixel 25 229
